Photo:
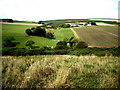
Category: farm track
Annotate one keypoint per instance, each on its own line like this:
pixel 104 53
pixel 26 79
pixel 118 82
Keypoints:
pixel 97 37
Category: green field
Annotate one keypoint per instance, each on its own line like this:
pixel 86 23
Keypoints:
pixel 99 36
pixel 18 32
pixel 63 33
pixel 60 71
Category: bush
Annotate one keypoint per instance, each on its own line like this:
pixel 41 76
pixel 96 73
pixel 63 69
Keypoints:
pixel 65 25
pixel 30 43
pixel 29 32
pixel 61 45
pixel 93 23
pixel 38 31
pixel 82 44
pixel 50 35
pixel 8 42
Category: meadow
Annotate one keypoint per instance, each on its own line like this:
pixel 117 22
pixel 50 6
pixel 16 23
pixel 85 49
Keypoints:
pixel 60 71
pixel 18 32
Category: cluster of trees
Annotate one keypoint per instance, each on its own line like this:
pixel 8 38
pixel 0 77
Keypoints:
pixel 71 43
pixel 9 42
pixel 40 31
pixel 92 23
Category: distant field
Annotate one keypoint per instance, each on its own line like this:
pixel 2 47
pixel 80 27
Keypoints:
pixel 99 36
pixel 59 71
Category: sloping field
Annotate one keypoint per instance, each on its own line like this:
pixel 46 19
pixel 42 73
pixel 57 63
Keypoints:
pixel 18 32
pixel 60 71
pixel 99 36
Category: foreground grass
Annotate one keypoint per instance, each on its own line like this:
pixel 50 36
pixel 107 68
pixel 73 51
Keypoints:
pixel 60 71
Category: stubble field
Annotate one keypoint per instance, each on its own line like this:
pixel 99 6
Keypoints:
pixel 99 36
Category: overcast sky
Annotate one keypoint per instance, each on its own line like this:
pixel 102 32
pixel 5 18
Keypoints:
pixel 35 10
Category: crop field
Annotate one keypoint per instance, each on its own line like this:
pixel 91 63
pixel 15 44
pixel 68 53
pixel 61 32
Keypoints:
pixel 59 71
pixel 18 32
pixel 99 36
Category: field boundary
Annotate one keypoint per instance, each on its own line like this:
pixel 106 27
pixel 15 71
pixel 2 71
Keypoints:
pixel 75 34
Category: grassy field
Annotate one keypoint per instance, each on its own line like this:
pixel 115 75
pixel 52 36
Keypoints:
pixel 63 33
pixel 99 36
pixel 60 71
pixel 18 32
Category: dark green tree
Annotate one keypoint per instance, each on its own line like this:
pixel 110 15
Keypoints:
pixel 39 31
pixel 81 44
pixel 9 42
pixel 30 43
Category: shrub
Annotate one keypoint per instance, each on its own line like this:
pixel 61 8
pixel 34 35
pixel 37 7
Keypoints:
pixel 82 44
pixel 8 42
pixel 30 43
pixel 61 45
pixel 50 35
pixel 65 25
pixel 38 31
pixel 29 32
pixel 93 23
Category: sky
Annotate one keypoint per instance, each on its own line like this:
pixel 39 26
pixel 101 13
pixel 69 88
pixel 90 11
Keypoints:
pixel 36 10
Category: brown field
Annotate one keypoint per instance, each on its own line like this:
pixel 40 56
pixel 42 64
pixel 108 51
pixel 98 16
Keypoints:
pixel 99 36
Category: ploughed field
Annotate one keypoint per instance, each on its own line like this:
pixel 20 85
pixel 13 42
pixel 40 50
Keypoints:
pixel 98 36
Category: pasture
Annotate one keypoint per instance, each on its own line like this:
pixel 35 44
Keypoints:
pixel 60 71
pixel 18 32
pixel 99 36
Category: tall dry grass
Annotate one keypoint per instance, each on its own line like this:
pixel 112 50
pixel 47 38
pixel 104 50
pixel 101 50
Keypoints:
pixel 60 71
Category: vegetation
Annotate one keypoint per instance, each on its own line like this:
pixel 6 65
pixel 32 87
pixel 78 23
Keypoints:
pixel 38 31
pixel 59 71
pixel 56 59
pixel 50 35
pixel 8 42
pixel 19 34
pixel 30 44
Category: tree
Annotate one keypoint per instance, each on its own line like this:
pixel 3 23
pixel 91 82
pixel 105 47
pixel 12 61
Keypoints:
pixel 61 45
pixel 72 41
pixel 8 42
pixel 30 43
pixel 93 23
pixel 81 44
pixel 50 35
pixel 65 25
pixel 29 32
pixel 38 31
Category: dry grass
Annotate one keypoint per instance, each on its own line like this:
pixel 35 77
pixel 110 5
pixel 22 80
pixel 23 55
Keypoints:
pixel 60 71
